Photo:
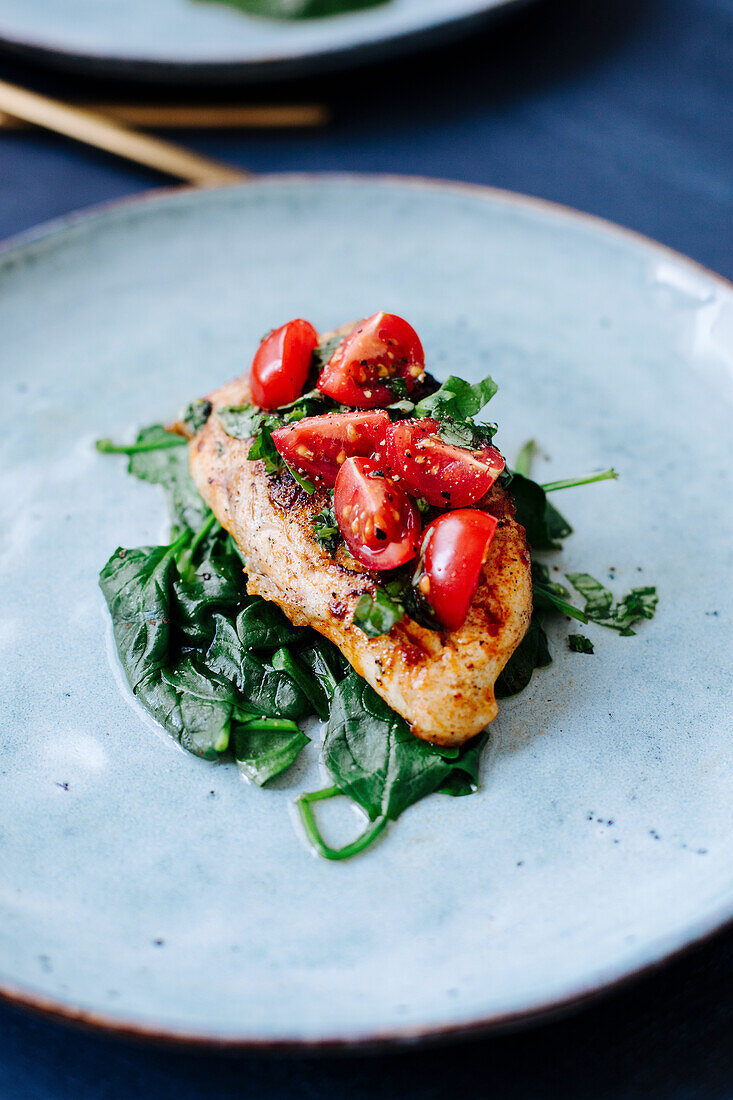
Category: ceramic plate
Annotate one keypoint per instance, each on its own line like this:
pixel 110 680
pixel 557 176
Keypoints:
pixel 144 889
pixel 189 39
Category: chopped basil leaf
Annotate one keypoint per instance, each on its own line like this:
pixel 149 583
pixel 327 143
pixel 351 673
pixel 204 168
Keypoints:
pixel 398 386
pixel 324 351
pixel 578 643
pixel 326 530
pixel 465 433
pixel 264 448
pixel 240 421
pixel 377 614
pixel 196 414
pixel 306 485
pixel 457 399
pixel 639 604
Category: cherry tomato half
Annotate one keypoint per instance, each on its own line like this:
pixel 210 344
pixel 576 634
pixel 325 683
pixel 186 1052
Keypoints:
pixel 380 348
pixel 282 364
pixel 378 521
pixel 453 551
pixel 444 475
pixel 319 445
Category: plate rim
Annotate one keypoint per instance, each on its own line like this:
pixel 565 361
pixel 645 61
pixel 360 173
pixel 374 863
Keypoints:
pixel 272 66
pixel 670 947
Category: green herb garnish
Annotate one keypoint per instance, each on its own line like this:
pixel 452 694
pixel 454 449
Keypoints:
pixel 639 604
pixel 196 414
pixel 578 643
pixel 377 614
pixel 326 530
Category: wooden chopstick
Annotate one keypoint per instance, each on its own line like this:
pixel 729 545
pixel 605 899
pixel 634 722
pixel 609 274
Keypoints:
pixel 195 117
pixel 114 137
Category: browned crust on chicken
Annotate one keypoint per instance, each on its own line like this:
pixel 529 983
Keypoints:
pixel 443 684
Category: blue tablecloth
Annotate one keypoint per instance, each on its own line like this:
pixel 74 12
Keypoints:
pixel 621 108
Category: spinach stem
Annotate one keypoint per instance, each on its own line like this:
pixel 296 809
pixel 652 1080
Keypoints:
pixel 202 533
pixel 571 482
pixel 180 541
pixel 270 724
pixel 185 562
pixel 313 833
pixel 547 596
pixel 523 465
pixel 107 447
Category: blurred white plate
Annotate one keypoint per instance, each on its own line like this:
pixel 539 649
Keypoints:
pixel 181 40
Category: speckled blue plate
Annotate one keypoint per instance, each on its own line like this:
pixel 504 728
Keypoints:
pixel 184 40
pixel 143 889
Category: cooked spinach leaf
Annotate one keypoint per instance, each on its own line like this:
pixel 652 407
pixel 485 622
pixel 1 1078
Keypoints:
pixel 375 760
pixel 206 707
pixel 308 684
pixel 138 588
pixel 217 584
pixel 262 625
pixel 541 520
pixel 578 643
pixel 327 664
pixel 168 466
pixel 531 653
pixel 373 757
pixel 264 749
pixel 268 691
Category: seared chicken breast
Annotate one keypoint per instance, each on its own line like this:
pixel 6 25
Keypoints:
pixel 441 683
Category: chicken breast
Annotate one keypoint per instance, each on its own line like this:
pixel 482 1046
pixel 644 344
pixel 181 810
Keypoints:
pixel 442 684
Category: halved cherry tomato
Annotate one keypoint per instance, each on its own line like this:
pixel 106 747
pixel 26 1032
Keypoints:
pixel 319 445
pixel 378 521
pixel 453 551
pixel 381 347
pixel 282 364
pixel 444 475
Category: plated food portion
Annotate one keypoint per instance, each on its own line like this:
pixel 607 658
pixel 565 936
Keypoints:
pixel 389 586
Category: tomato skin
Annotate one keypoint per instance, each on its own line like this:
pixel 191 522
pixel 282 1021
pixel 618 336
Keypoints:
pixel 318 446
pixel 442 474
pixel 379 523
pixel 281 364
pixel 381 346
pixel 454 549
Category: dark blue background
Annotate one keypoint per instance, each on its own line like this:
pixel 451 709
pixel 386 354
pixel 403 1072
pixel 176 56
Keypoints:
pixel 618 107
